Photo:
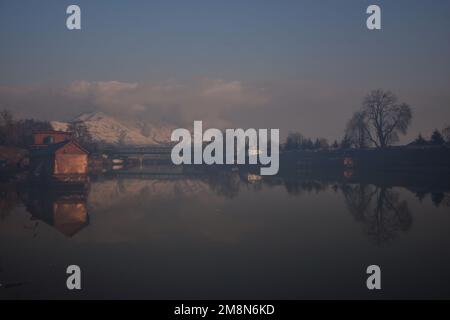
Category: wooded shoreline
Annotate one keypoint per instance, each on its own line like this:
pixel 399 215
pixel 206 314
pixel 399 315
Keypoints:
pixel 424 159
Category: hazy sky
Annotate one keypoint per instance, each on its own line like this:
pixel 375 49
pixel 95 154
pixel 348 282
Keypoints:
pixel 294 65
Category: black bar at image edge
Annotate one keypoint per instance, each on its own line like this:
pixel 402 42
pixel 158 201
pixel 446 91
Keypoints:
pixel 229 309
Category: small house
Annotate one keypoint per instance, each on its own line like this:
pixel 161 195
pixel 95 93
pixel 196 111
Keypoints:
pixel 56 157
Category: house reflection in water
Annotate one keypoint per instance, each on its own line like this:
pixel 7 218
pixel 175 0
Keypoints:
pixel 66 212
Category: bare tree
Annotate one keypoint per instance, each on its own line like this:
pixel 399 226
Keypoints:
pixel 420 141
pixel 384 117
pixel 346 142
pixel 145 129
pixel 7 130
pixel 294 141
pixel 446 134
pixel 121 140
pixel 81 132
pixel 321 143
pixel 335 145
pixel 437 138
pixel 356 131
pixel 24 131
pixel 6 117
pixel 19 133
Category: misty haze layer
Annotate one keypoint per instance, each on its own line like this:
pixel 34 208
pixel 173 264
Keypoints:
pixel 298 66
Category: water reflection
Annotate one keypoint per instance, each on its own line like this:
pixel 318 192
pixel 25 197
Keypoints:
pixel 8 199
pixel 211 232
pixel 378 207
pixel 64 211
pixel 438 198
pixel 381 211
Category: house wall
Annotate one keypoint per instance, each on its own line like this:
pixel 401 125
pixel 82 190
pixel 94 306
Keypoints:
pixel 70 160
pixel 71 164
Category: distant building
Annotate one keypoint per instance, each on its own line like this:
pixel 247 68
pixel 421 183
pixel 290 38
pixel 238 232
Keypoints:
pixel 57 157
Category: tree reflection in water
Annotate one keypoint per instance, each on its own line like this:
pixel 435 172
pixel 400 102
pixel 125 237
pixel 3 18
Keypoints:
pixel 297 188
pixel 8 201
pixel 380 209
pixel 437 198
pixel 225 184
pixel 371 200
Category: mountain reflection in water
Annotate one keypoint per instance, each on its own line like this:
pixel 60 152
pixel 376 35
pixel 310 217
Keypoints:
pixel 227 235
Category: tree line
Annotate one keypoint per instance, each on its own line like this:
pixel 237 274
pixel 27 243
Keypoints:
pixel 19 133
pixel 379 122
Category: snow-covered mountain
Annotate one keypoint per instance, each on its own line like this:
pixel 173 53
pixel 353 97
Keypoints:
pixel 107 129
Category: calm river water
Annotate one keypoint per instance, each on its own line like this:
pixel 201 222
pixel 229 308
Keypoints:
pixel 227 235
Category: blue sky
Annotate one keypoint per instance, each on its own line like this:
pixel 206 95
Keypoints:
pixel 280 47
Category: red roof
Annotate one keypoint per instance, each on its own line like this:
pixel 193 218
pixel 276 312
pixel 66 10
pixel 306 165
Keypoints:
pixel 52 131
pixel 52 148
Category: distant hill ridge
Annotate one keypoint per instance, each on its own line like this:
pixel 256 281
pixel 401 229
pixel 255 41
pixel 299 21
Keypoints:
pixel 107 129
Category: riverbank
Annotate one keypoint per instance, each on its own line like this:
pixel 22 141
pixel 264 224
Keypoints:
pixel 434 159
